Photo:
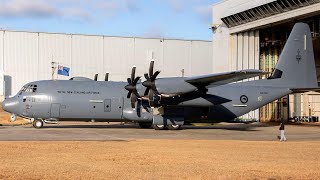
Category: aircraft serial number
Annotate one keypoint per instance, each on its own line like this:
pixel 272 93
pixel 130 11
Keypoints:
pixel 78 92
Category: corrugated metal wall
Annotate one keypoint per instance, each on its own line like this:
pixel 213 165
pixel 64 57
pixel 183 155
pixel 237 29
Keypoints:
pixel 20 59
pixel 27 56
pixel 53 47
pixel 244 53
pixel 87 55
pixel 1 64
pixel 119 57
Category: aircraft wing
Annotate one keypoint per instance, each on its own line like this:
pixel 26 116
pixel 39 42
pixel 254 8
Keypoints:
pixel 223 78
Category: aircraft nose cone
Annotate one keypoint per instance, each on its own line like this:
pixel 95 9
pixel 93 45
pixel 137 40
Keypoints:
pixel 10 104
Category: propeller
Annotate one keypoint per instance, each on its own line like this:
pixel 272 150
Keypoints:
pixel 131 87
pixel 106 78
pixel 96 77
pixel 150 84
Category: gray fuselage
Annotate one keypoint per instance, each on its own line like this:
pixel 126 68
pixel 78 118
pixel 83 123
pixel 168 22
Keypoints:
pixel 107 101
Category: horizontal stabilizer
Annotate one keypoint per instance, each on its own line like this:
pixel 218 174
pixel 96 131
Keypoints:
pixel 223 78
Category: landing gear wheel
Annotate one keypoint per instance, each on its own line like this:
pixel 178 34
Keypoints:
pixel 174 127
pixel 145 125
pixel 13 117
pixel 38 123
pixel 159 127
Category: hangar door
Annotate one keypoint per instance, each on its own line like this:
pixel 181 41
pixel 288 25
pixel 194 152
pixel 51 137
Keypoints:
pixel 271 46
pixel 244 53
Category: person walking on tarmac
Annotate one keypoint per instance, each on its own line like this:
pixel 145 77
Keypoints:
pixel 281 128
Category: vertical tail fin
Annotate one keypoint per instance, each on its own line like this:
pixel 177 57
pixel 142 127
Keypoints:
pixel 296 66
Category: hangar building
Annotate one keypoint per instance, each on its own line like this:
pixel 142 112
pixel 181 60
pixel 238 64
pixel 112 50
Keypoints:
pixel 250 34
pixel 27 56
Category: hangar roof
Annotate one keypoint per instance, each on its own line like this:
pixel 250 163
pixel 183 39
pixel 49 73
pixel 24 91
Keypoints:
pixel 253 11
pixel 77 34
pixel 243 6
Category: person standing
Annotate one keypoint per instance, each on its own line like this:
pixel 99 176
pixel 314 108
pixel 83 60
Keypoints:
pixel 281 128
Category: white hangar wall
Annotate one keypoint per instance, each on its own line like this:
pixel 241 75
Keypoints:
pixel 235 51
pixel 27 56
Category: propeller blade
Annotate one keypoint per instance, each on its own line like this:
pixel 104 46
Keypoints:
pixel 146 91
pixel 155 75
pixel 129 81
pixel 106 78
pixel 136 80
pixel 133 100
pixel 139 108
pixel 151 68
pixel 129 94
pixel 147 76
pixel 133 104
pixel 133 73
pixel 151 94
pixel 135 92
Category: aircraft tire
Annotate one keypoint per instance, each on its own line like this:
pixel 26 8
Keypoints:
pixel 38 123
pixel 13 118
pixel 159 127
pixel 145 125
pixel 174 127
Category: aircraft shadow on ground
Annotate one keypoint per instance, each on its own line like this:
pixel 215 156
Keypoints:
pixel 225 127
pixel 236 127
pixel 84 126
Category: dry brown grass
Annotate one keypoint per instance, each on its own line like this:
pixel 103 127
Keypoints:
pixel 160 159
pixel 5 119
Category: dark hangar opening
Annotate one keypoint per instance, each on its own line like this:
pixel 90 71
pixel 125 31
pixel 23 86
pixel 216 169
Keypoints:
pixel 272 40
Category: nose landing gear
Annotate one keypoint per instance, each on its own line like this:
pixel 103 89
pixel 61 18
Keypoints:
pixel 37 123
pixel 13 118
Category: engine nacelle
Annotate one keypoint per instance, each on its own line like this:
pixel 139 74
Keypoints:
pixel 132 115
pixel 169 87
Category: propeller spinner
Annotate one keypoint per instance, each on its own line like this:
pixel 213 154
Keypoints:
pixel 131 87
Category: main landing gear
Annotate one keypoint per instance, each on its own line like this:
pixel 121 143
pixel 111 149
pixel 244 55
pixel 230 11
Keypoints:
pixel 147 125
pixel 164 127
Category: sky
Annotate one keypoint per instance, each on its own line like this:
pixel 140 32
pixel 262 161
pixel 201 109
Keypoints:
pixel 177 19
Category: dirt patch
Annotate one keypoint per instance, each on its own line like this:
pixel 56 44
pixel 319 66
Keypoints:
pixel 160 159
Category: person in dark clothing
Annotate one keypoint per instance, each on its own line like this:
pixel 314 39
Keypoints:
pixel 281 128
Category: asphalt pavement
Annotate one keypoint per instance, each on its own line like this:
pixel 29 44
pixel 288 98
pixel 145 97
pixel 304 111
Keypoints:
pixel 76 131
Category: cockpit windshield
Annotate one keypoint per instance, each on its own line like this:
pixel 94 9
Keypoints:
pixel 31 88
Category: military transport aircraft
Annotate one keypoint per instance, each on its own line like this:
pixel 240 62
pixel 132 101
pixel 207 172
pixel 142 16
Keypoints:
pixel 167 103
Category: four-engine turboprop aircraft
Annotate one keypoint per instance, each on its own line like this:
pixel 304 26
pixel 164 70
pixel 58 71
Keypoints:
pixel 167 103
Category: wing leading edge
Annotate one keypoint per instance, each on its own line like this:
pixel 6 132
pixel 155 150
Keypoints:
pixel 223 78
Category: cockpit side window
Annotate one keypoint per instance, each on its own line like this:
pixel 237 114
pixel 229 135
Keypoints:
pixel 34 89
